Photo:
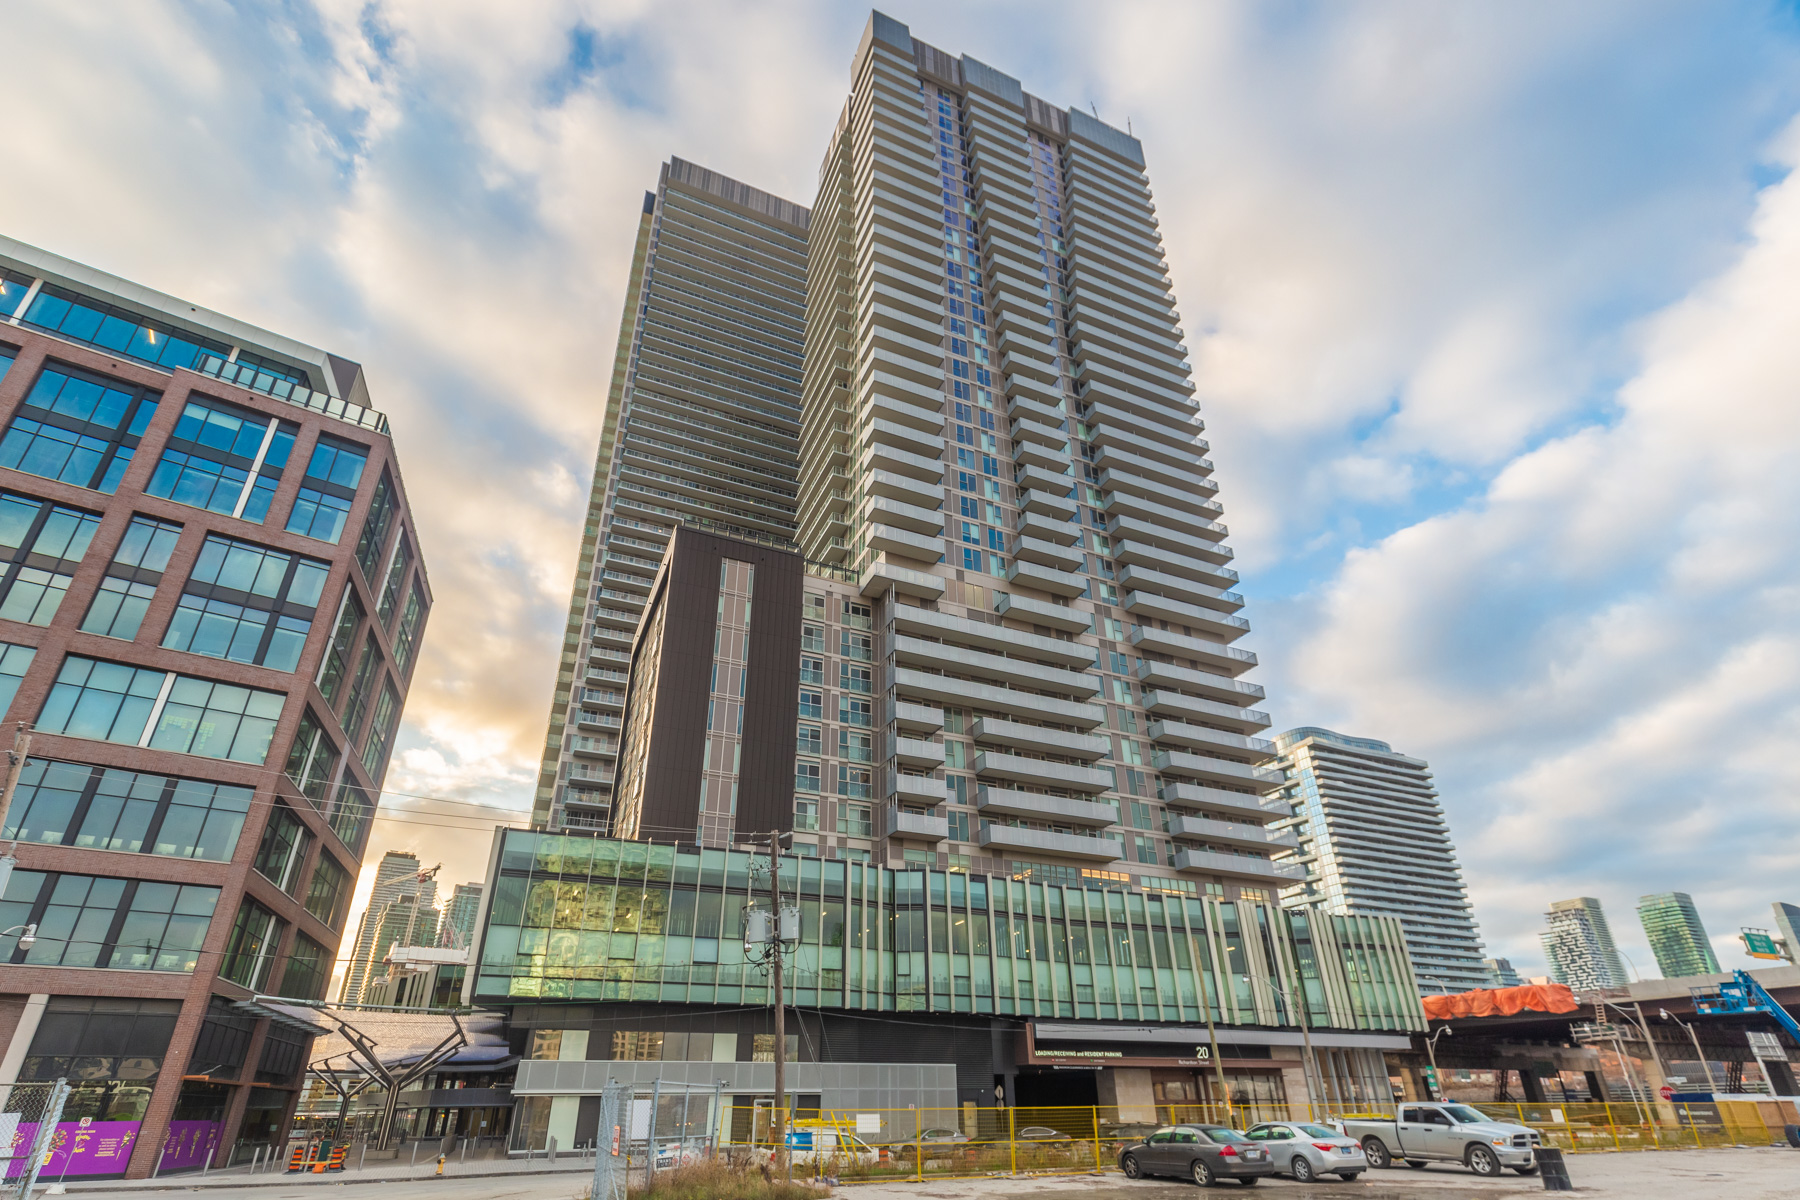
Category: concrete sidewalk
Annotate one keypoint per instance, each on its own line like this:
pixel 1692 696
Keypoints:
pixel 239 1178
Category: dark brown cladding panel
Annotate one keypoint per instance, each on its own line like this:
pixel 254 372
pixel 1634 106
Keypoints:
pixel 690 591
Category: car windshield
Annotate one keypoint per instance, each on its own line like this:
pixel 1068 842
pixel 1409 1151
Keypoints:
pixel 1226 1137
pixel 1319 1131
pixel 1462 1114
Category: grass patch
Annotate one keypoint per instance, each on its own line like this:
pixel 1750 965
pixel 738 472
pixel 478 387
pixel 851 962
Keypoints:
pixel 714 1180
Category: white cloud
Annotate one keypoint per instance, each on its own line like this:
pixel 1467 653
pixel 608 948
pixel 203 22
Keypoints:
pixel 1407 239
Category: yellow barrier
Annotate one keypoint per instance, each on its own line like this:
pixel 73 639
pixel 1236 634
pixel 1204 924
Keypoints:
pixel 973 1141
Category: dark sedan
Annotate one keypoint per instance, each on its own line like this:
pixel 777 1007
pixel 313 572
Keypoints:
pixel 1203 1153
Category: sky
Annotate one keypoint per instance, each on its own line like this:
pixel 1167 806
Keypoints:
pixel 1494 311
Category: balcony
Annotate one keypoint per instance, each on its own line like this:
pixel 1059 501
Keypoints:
pixel 1145 604
pixel 914 652
pixel 1043 612
pixel 1063 533
pixel 881 577
pixel 1209 799
pixel 1241 867
pixel 1051 456
pixel 916 752
pixel 1202 571
pixel 892 540
pixel 1233 718
pixel 1040 807
pixel 1016 768
pixel 969 693
pixel 964 632
pixel 1229 661
pixel 914 718
pixel 998 732
pixel 898 513
pixel 905 489
pixel 1045 579
pixel 1181 589
pixel 1046 553
pixel 1051 502
pixel 1217 770
pixel 1038 479
pixel 920 826
pixel 1175 539
pixel 914 789
pixel 1225 698
pixel 1200 737
pixel 1231 833
pixel 1009 839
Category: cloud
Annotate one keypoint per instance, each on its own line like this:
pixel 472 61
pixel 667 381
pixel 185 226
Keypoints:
pixel 1413 246
pixel 1599 654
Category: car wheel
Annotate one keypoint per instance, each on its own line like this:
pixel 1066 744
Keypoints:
pixel 1484 1162
pixel 1203 1172
pixel 1348 1176
pixel 1417 1164
pixel 1301 1169
pixel 1248 1180
pixel 1376 1151
pixel 1531 1170
pixel 1129 1165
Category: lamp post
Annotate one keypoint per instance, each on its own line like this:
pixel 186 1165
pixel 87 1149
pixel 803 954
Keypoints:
pixel 1700 1054
pixel 1431 1053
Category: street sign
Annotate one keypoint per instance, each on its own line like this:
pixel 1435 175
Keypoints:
pixel 1759 944
pixel 1666 1092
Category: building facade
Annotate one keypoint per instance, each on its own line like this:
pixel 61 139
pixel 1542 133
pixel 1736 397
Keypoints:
pixel 701 428
pixel 1578 945
pixel 211 608
pixel 1677 938
pixel 625 959
pixel 1028 803
pixel 1501 972
pixel 1370 834
pixel 397 876
pixel 457 930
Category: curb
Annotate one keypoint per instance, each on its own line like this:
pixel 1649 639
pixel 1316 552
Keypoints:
pixel 339 1179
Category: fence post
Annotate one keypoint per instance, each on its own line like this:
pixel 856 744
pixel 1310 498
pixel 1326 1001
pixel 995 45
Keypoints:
pixel 1012 1137
pixel 1096 1116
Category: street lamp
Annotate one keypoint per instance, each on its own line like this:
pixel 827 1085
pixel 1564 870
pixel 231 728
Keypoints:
pixel 1666 1015
pixel 1431 1053
pixel 27 935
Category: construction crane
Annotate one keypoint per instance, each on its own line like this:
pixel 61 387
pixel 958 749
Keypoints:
pixel 1743 996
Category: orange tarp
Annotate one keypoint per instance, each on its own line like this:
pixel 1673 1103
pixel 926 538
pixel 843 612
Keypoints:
pixel 1501 1002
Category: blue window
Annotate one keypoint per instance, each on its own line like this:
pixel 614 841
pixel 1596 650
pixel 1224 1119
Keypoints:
pixel 812 706
pixel 971 533
pixel 959 368
pixel 965 436
pixel 13 289
pixel 123 596
pixel 996 539
pixel 162 710
pixel 966 482
pixel 82 319
pixel 965 457
pixel 40 546
pixel 14 662
pixel 328 490
pixel 806 777
pixel 78 428
pixel 970 507
pixel 224 459
pixel 987 420
pixel 990 465
pixel 247 603
pixel 996 566
pixel 971 559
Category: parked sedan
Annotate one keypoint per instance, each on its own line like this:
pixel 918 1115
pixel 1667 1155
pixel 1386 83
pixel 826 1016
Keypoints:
pixel 1309 1151
pixel 932 1142
pixel 1203 1153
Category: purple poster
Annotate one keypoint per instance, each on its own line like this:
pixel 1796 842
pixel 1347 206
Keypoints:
pixel 86 1147
pixel 189 1143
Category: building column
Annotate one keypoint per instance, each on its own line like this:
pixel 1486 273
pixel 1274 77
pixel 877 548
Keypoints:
pixel 153 1131
pixel 20 1044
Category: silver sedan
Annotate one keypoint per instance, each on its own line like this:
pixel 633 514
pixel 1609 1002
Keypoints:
pixel 1306 1152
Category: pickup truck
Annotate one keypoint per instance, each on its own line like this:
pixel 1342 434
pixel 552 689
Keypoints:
pixel 1428 1133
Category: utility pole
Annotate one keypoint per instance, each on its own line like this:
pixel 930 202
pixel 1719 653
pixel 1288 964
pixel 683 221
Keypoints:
pixel 1212 1036
pixel 780 1114
pixel 15 766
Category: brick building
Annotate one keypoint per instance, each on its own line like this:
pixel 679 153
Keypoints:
pixel 210 609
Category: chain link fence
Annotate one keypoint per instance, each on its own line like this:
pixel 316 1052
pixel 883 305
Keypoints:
pixel 29 1137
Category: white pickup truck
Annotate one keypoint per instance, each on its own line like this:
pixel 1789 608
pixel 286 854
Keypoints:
pixel 1428 1133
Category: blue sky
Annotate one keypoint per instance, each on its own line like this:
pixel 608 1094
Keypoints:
pixel 1492 307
